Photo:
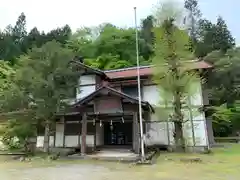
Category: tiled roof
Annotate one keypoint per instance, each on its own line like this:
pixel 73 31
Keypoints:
pixel 148 70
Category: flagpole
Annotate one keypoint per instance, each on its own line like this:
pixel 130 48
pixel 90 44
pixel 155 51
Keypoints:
pixel 139 90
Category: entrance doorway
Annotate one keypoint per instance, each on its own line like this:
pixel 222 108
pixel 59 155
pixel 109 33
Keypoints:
pixel 118 133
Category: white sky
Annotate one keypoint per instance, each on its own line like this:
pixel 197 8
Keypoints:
pixel 49 14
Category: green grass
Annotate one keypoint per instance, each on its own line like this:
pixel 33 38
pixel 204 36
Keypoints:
pixel 223 163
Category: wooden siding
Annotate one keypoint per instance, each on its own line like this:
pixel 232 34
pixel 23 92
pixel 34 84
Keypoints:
pixel 108 104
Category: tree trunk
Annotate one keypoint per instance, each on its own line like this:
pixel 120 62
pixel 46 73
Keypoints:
pixel 46 138
pixel 178 120
pixel 179 139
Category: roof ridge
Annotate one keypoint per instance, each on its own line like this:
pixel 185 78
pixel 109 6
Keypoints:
pixel 125 69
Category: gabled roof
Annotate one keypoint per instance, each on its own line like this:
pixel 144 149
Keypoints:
pixel 148 70
pixel 91 96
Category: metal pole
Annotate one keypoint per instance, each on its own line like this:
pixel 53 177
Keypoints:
pixel 139 90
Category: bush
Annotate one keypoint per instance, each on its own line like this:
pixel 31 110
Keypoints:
pixel 15 135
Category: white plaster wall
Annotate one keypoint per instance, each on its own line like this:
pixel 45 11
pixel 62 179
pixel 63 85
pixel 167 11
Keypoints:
pixel 187 133
pixel 87 79
pixel 99 135
pixel 151 94
pixel 72 141
pixel 40 141
pixel 83 91
pixel 196 97
pixel 200 132
pixel 157 132
pixel 1 145
pixel 59 135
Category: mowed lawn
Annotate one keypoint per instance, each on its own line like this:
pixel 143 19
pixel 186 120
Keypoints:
pixel 223 163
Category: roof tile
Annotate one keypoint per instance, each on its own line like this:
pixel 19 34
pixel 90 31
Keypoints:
pixel 148 70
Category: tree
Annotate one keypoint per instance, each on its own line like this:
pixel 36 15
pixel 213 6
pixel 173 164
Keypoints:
pixel 116 41
pixel 16 135
pixel 9 50
pixel 81 42
pixel 223 81
pixel 34 39
pixel 147 35
pixel 213 37
pixel 224 39
pixel 171 51
pixel 43 81
pixel 60 35
pixel 192 21
pixel 19 30
pixel 107 46
pixel 6 71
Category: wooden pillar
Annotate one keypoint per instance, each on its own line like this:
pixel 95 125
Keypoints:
pixel 84 134
pixel 95 137
pixel 64 127
pixel 54 140
pixel 136 134
pixel 79 134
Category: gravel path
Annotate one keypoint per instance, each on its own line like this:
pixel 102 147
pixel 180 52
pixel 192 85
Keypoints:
pixel 63 172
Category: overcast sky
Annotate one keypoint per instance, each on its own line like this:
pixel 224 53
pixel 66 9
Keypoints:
pixel 49 14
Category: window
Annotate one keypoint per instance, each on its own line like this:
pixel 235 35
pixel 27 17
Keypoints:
pixel 130 90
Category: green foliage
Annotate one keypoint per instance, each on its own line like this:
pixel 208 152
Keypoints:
pixel 213 37
pixel 46 75
pixel 192 21
pixel 112 47
pixel 222 113
pixel 224 80
pixel 172 50
pixel 226 120
pixel 43 80
pixel 15 134
pixel 147 36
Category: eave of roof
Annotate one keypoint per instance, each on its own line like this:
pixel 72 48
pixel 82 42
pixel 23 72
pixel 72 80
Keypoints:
pixel 96 71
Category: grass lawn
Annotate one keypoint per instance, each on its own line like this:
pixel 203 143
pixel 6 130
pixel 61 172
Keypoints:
pixel 223 163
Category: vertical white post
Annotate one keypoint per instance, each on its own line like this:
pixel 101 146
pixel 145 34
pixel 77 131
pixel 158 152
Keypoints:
pixel 139 90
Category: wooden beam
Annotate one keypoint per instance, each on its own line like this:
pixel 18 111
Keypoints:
pixel 136 134
pixel 84 134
